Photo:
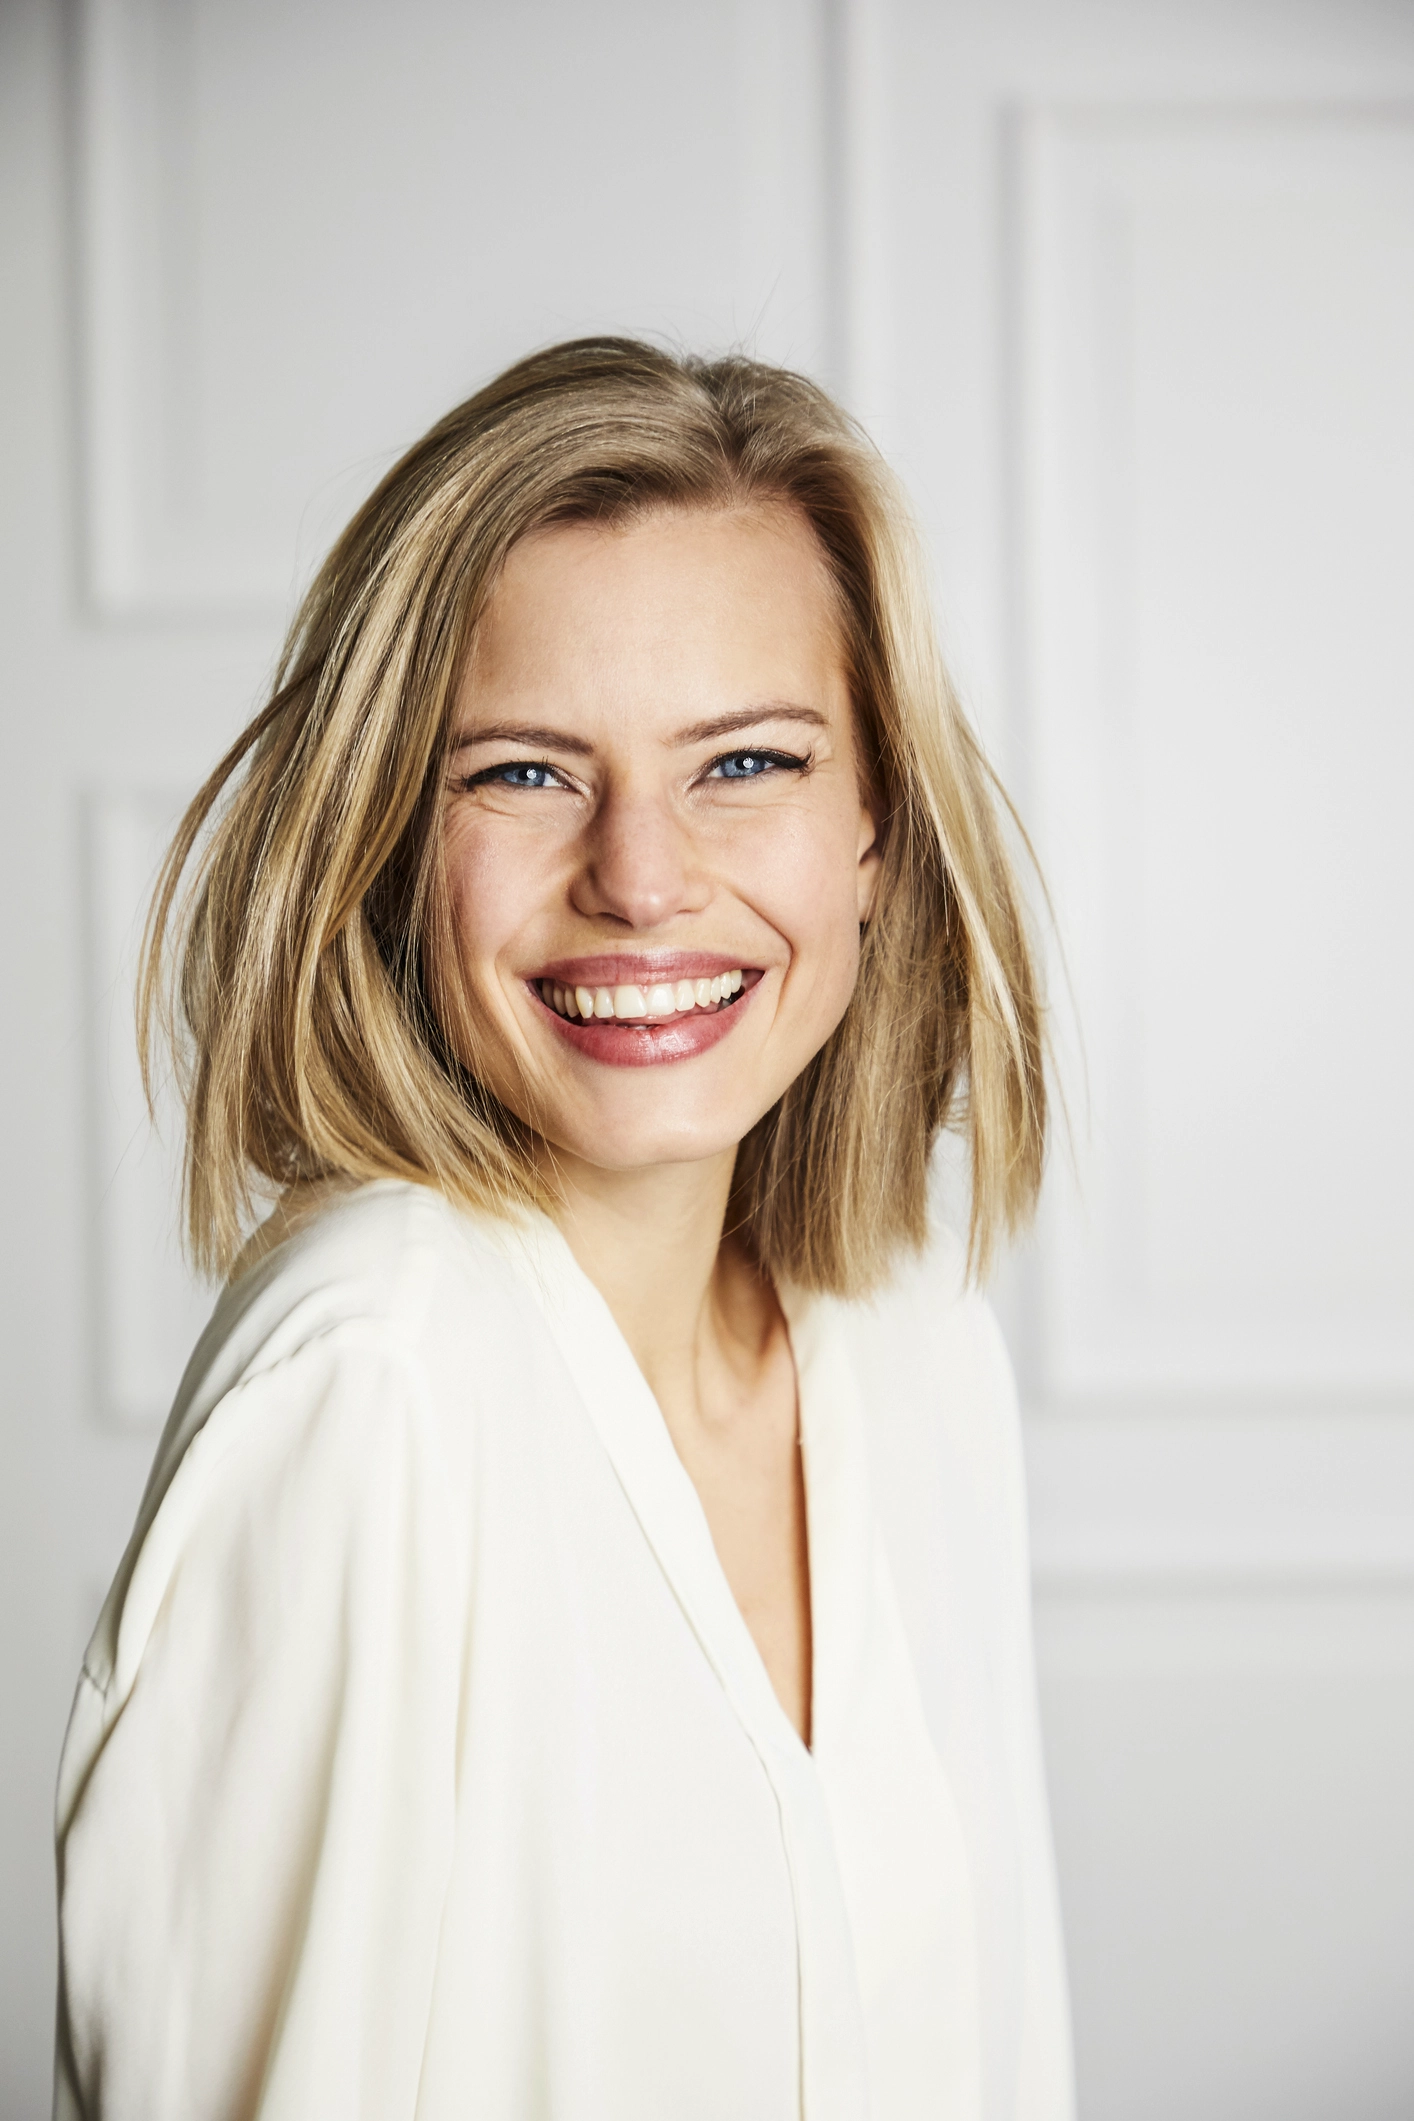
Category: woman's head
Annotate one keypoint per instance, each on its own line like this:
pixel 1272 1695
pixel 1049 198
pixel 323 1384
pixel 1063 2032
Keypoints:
pixel 623 679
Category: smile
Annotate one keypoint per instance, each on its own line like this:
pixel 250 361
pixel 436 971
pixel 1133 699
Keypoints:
pixel 629 1004
pixel 627 1012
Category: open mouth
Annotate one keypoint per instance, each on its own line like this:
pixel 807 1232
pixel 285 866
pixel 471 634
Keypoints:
pixel 661 1002
pixel 623 1011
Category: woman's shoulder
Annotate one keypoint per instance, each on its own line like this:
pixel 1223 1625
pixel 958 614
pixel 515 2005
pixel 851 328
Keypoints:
pixel 932 1303
pixel 944 1446
pixel 389 1265
pixel 388 1255
pixel 933 1369
pixel 390 1275
pixel 350 1351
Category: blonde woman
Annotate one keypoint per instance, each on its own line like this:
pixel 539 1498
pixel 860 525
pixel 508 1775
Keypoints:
pixel 573 1662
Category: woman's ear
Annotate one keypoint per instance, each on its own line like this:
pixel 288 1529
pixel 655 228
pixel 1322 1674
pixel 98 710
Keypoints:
pixel 870 861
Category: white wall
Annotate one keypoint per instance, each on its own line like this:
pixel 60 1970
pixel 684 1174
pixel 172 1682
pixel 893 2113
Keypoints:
pixel 1127 292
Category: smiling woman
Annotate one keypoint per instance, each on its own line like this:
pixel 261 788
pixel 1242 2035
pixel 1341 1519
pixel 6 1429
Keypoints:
pixel 573 1659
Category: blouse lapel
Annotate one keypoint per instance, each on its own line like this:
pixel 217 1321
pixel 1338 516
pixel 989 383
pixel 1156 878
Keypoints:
pixel 654 1480
pixel 838 1513
pixel 899 1843
pixel 659 1490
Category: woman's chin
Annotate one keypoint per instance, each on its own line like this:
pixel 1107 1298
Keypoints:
pixel 613 1140
pixel 629 1118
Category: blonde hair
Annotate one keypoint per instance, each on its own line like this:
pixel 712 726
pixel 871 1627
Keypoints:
pixel 306 980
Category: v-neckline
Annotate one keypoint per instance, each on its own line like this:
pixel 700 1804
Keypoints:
pixel 665 1501
pixel 843 1575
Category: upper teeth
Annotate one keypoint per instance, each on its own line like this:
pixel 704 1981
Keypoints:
pixel 626 1003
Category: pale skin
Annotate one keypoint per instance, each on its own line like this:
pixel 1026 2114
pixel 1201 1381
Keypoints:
pixel 655 755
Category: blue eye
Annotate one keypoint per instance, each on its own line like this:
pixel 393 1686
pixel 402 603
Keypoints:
pixel 752 765
pixel 516 773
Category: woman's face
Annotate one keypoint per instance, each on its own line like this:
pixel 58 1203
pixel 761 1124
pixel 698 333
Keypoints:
pixel 658 848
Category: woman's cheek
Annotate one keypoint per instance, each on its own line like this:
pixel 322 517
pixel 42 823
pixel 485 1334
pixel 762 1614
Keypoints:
pixel 814 892
pixel 496 885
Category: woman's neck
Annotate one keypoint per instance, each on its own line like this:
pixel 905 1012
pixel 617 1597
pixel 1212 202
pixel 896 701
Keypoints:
pixel 651 1242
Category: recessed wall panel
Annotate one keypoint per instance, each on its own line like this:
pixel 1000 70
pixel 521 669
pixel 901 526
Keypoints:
pixel 306 232
pixel 1219 540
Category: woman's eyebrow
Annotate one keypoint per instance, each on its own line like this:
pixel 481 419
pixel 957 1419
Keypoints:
pixel 537 736
pixel 532 734
pixel 749 718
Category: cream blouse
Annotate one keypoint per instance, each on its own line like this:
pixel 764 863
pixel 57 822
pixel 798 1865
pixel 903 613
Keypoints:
pixel 422 1764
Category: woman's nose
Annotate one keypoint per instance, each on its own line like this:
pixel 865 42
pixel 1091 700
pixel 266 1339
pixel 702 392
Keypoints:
pixel 639 866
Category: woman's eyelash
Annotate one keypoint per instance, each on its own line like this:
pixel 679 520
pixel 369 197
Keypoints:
pixel 754 764
pixel 535 773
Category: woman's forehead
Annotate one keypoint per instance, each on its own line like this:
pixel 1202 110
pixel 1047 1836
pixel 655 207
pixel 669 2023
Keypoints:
pixel 682 610
pixel 751 553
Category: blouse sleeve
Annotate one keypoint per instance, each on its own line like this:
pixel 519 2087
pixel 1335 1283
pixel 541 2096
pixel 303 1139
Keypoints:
pixel 257 1815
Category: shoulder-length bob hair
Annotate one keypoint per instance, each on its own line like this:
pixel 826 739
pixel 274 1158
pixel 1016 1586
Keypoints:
pixel 305 976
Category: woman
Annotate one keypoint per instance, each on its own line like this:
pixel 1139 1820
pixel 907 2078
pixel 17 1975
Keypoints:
pixel 573 1659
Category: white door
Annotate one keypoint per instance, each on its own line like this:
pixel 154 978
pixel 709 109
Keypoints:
pixel 1128 295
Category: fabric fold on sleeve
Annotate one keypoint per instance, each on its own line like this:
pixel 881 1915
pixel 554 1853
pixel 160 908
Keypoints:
pixel 261 1792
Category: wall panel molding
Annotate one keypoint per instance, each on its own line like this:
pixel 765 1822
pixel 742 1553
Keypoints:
pixel 1235 1498
pixel 1211 697
pixel 256 207
pixel 860 88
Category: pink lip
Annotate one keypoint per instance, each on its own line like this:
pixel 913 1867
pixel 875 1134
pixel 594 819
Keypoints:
pixel 646 1045
pixel 644 968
